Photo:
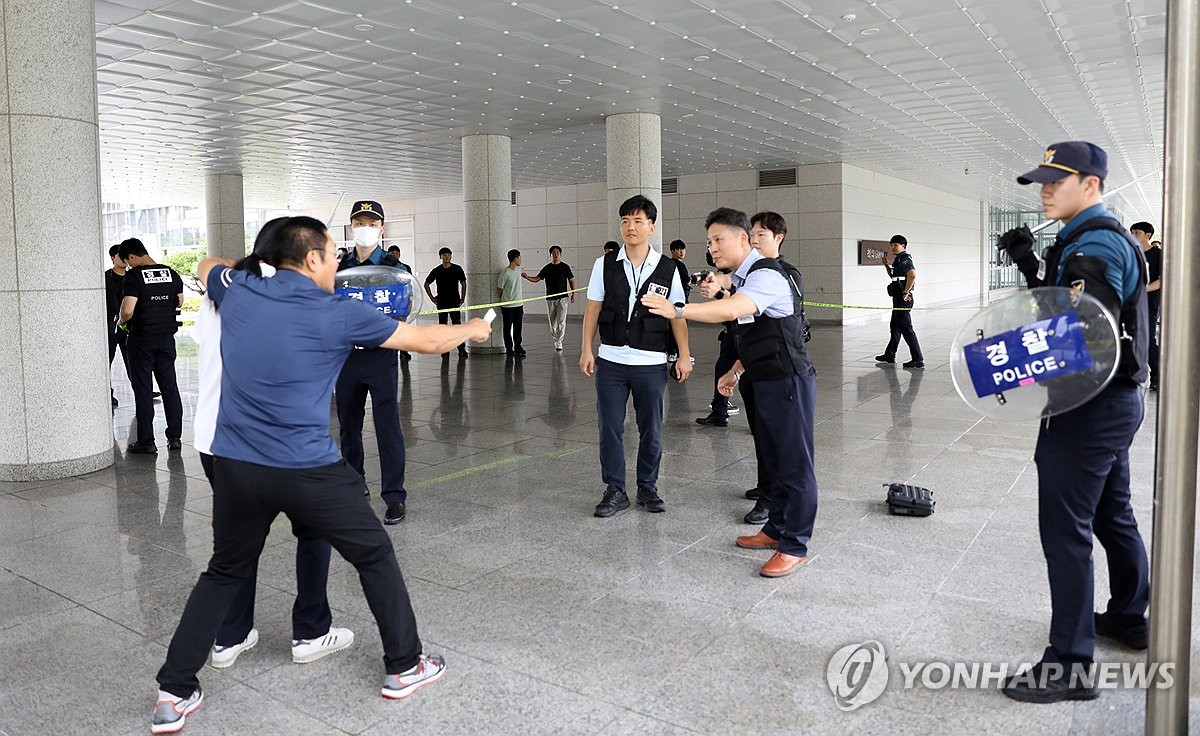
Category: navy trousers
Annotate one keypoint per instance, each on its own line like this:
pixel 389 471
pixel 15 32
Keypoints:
pixel 615 382
pixel 901 327
pixel 1083 489
pixel 154 356
pixel 746 389
pixel 725 360
pixel 311 617
pixel 784 420
pixel 373 372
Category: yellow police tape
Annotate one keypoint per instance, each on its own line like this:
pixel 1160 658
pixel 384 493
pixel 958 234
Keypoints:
pixel 824 305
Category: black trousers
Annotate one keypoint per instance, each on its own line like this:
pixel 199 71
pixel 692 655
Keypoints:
pixel 725 360
pixel 1083 489
pixel 328 499
pixel 784 417
pixel 513 317
pixel 373 372
pixel 311 617
pixel 746 389
pixel 615 383
pixel 901 327
pixel 452 318
pixel 1154 305
pixel 154 356
pixel 118 339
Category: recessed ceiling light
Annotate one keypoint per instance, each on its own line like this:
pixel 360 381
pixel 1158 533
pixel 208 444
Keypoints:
pixel 868 32
pixel 701 57
pixel 421 107
pixel 212 68
pixel 849 17
pixel 364 27
pixel 563 81
pixel 942 84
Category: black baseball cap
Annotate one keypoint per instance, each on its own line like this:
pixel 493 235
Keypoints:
pixel 367 208
pixel 1068 157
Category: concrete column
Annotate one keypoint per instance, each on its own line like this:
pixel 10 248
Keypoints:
pixel 634 142
pixel 226 213
pixel 487 222
pixel 55 417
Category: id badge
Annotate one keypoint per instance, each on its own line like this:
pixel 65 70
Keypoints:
pixel 746 319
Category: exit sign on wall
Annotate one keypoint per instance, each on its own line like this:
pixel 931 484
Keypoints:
pixel 870 251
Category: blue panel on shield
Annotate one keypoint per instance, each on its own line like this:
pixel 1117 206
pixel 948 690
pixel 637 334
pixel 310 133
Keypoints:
pixel 1049 348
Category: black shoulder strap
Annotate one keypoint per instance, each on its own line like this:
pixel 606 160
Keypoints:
pixel 1103 222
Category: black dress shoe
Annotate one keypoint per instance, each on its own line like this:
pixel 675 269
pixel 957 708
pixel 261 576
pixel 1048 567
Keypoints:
pixel 1135 637
pixel 174 443
pixel 759 514
pixel 753 494
pixel 884 359
pixel 651 501
pixel 713 420
pixel 914 364
pixel 394 514
pixel 612 502
pixel 141 448
pixel 521 352
pixel 1040 684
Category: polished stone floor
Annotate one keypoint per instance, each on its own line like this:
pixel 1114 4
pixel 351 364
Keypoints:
pixel 555 622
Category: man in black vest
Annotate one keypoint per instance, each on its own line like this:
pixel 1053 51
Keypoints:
pixel 1083 455
pixel 150 295
pixel 633 354
pixel 767 306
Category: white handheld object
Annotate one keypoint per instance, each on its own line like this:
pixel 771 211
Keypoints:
pixel 491 315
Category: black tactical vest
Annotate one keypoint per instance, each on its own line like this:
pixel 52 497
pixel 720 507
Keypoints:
pixel 642 330
pixel 773 347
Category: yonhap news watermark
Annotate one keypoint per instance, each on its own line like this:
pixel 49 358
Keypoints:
pixel 859 673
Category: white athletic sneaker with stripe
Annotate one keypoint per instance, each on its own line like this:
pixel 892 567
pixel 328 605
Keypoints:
pixel 223 657
pixel 310 650
pixel 170 711
pixel 429 670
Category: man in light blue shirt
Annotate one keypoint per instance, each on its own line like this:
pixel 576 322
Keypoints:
pixel 508 290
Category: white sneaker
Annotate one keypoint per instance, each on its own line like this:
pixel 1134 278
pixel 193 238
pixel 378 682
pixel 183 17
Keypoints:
pixel 170 711
pixel 430 669
pixel 310 650
pixel 223 657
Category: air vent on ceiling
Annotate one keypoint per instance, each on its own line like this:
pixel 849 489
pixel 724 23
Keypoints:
pixel 514 197
pixel 670 186
pixel 777 178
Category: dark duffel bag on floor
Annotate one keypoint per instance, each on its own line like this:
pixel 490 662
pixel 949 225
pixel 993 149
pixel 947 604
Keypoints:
pixel 907 500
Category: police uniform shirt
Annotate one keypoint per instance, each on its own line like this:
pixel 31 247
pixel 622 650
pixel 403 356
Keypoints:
pixel 901 265
pixel 1121 267
pixel 1153 265
pixel 557 277
pixel 157 288
pixel 447 279
pixel 114 287
pixel 637 278
pixel 283 342
pixel 768 289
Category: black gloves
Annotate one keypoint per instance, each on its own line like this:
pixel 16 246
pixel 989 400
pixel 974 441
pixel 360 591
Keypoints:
pixel 1018 244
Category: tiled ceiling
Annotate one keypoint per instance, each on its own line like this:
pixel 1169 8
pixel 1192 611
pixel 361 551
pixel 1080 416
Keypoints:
pixel 309 100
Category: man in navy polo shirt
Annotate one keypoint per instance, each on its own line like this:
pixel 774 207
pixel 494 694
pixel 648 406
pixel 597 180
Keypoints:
pixel 283 342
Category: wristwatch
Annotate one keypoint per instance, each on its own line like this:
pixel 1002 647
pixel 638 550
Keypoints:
pixel 720 294
pixel 678 310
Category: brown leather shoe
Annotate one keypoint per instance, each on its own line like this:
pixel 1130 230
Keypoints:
pixel 758 540
pixel 781 564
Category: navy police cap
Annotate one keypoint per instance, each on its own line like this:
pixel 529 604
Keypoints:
pixel 1068 157
pixel 367 208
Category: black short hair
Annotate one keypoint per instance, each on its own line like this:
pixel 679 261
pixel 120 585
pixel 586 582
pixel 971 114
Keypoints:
pixel 444 251
pixel 678 245
pixel 393 248
pixel 114 250
pixel 1144 227
pixel 556 248
pixel 513 255
pixel 132 247
pixel 612 245
pixel 287 240
pixel 898 240
pixel 729 217
pixel 772 221
pixel 343 251
pixel 639 203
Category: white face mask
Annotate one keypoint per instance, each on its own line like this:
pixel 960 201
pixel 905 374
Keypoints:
pixel 367 237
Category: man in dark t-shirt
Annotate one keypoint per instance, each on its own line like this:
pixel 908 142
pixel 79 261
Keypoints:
pixel 678 253
pixel 451 284
pixel 1143 231
pixel 114 285
pixel 559 281
pixel 150 296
